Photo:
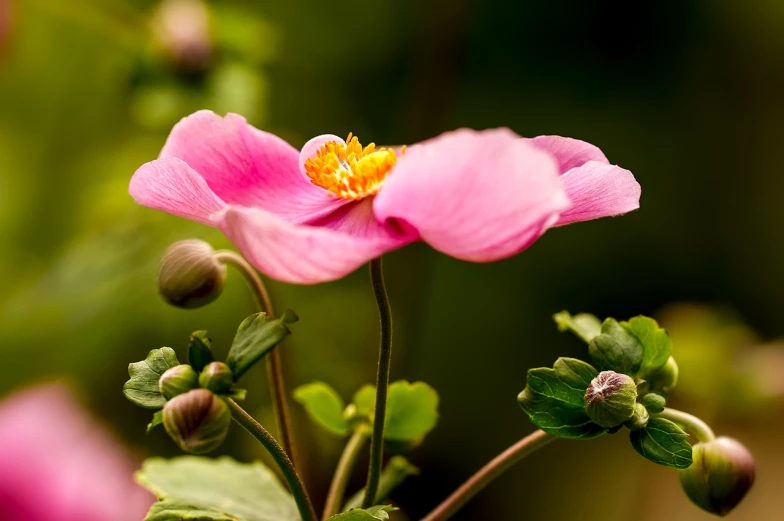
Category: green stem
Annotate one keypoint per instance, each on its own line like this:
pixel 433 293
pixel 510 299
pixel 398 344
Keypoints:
pixel 382 381
pixel 247 421
pixel 488 473
pixel 273 361
pixel 343 471
pixel 691 423
pixel 394 474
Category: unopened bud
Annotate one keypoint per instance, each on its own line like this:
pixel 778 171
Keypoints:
pixel 639 419
pixel 183 29
pixel 665 377
pixel 197 421
pixel 653 402
pixel 178 380
pixel 610 399
pixel 722 473
pixel 189 275
pixel 217 377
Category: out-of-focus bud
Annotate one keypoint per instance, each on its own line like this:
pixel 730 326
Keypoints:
pixel 5 22
pixel 217 377
pixel 665 377
pixel 183 29
pixel 654 402
pixel 639 419
pixel 178 380
pixel 197 421
pixel 722 473
pixel 610 399
pixel 189 275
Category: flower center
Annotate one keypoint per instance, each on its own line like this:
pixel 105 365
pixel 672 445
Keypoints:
pixel 348 170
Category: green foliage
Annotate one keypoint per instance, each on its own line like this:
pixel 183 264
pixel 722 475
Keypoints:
pixel 157 419
pixel 324 406
pixel 663 442
pixel 412 409
pixel 142 387
pixel 199 350
pixel 255 337
pixel 584 325
pixel 554 399
pixel 656 343
pixel 377 513
pixel 615 349
pixel 222 489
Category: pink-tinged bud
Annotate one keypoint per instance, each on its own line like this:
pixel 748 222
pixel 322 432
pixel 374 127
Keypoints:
pixel 217 377
pixel 610 399
pixel 178 380
pixel 189 275
pixel 197 421
pixel 722 473
pixel 183 29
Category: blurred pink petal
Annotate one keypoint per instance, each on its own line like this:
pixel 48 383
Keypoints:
pixel 58 464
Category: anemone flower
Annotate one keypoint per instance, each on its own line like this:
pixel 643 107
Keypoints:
pixel 58 464
pixel 317 214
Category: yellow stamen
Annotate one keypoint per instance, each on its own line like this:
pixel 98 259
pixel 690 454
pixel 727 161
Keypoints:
pixel 350 171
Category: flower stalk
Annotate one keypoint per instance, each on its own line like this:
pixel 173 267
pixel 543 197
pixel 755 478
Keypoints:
pixel 382 381
pixel 342 475
pixel 691 423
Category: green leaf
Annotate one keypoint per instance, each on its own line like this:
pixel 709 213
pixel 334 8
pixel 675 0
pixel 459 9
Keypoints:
pixel 199 352
pixel 583 325
pixel 142 388
pixel 615 349
pixel 256 336
pixel 412 409
pixel 324 406
pixel 215 489
pixel 554 399
pixel 237 394
pixel 656 343
pixel 157 419
pixel 663 442
pixel 377 513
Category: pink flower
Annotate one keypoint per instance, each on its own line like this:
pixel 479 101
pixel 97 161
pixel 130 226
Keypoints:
pixel 318 214
pixel 58 464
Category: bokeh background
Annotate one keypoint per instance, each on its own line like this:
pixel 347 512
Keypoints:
pixel 688 95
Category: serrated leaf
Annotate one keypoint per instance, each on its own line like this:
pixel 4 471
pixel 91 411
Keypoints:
pixel 412 409
pixel 142 388
pixel 255 337
pixel 199 350
pixel 217 489
pixel 554 399
pixel 615 349
pixel 584 325
pixel 157 419
pixel 324 406
pixel 663 442
pixel 656 343
pixel 377 513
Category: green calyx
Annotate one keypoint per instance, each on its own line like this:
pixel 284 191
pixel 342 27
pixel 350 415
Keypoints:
pixel 197 421
pixel 178 380
pixel 639 419
pixel 610 399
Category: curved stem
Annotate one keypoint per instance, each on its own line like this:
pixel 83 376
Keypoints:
pixel 247 421
pixel 343 471
pixel 382 381
pixel 488 473
pixel 273 362
pixel 700 429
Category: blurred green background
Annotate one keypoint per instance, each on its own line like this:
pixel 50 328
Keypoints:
pixel 688 95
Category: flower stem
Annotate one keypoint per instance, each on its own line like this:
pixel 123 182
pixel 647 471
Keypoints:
pixel 700 429
pixel 304 505
pixel 488 473
pixel 274 365
pixel 343 471
pixel 382 381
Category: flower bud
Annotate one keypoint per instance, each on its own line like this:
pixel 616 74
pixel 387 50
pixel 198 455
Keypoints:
pixel 639 419
pixel 665 377
pixel 177 380
pixel 183 29
pixel 610 399
pixel 189 275
pixel 654 402
pixel 217 377
pixel 722 473
pixel 197 421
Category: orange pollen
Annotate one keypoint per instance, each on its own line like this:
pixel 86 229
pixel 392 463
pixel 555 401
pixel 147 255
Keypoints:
pixel 350 171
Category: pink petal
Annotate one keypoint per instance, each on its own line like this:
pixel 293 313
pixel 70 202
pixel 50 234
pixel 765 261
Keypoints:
pixel 478 196
pixel 305 254
pixel 570 153
pixel 599 190
pixel 172 186
pixel 248 167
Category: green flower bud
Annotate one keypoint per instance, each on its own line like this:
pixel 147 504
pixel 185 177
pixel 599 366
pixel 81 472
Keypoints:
pixel 654 402
pixel 639 419
pixel 217 377
pixel 665 377
pixel 177 380
pixel 610 399
pixel 722 473
pixel 189 275
pixel 197 421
